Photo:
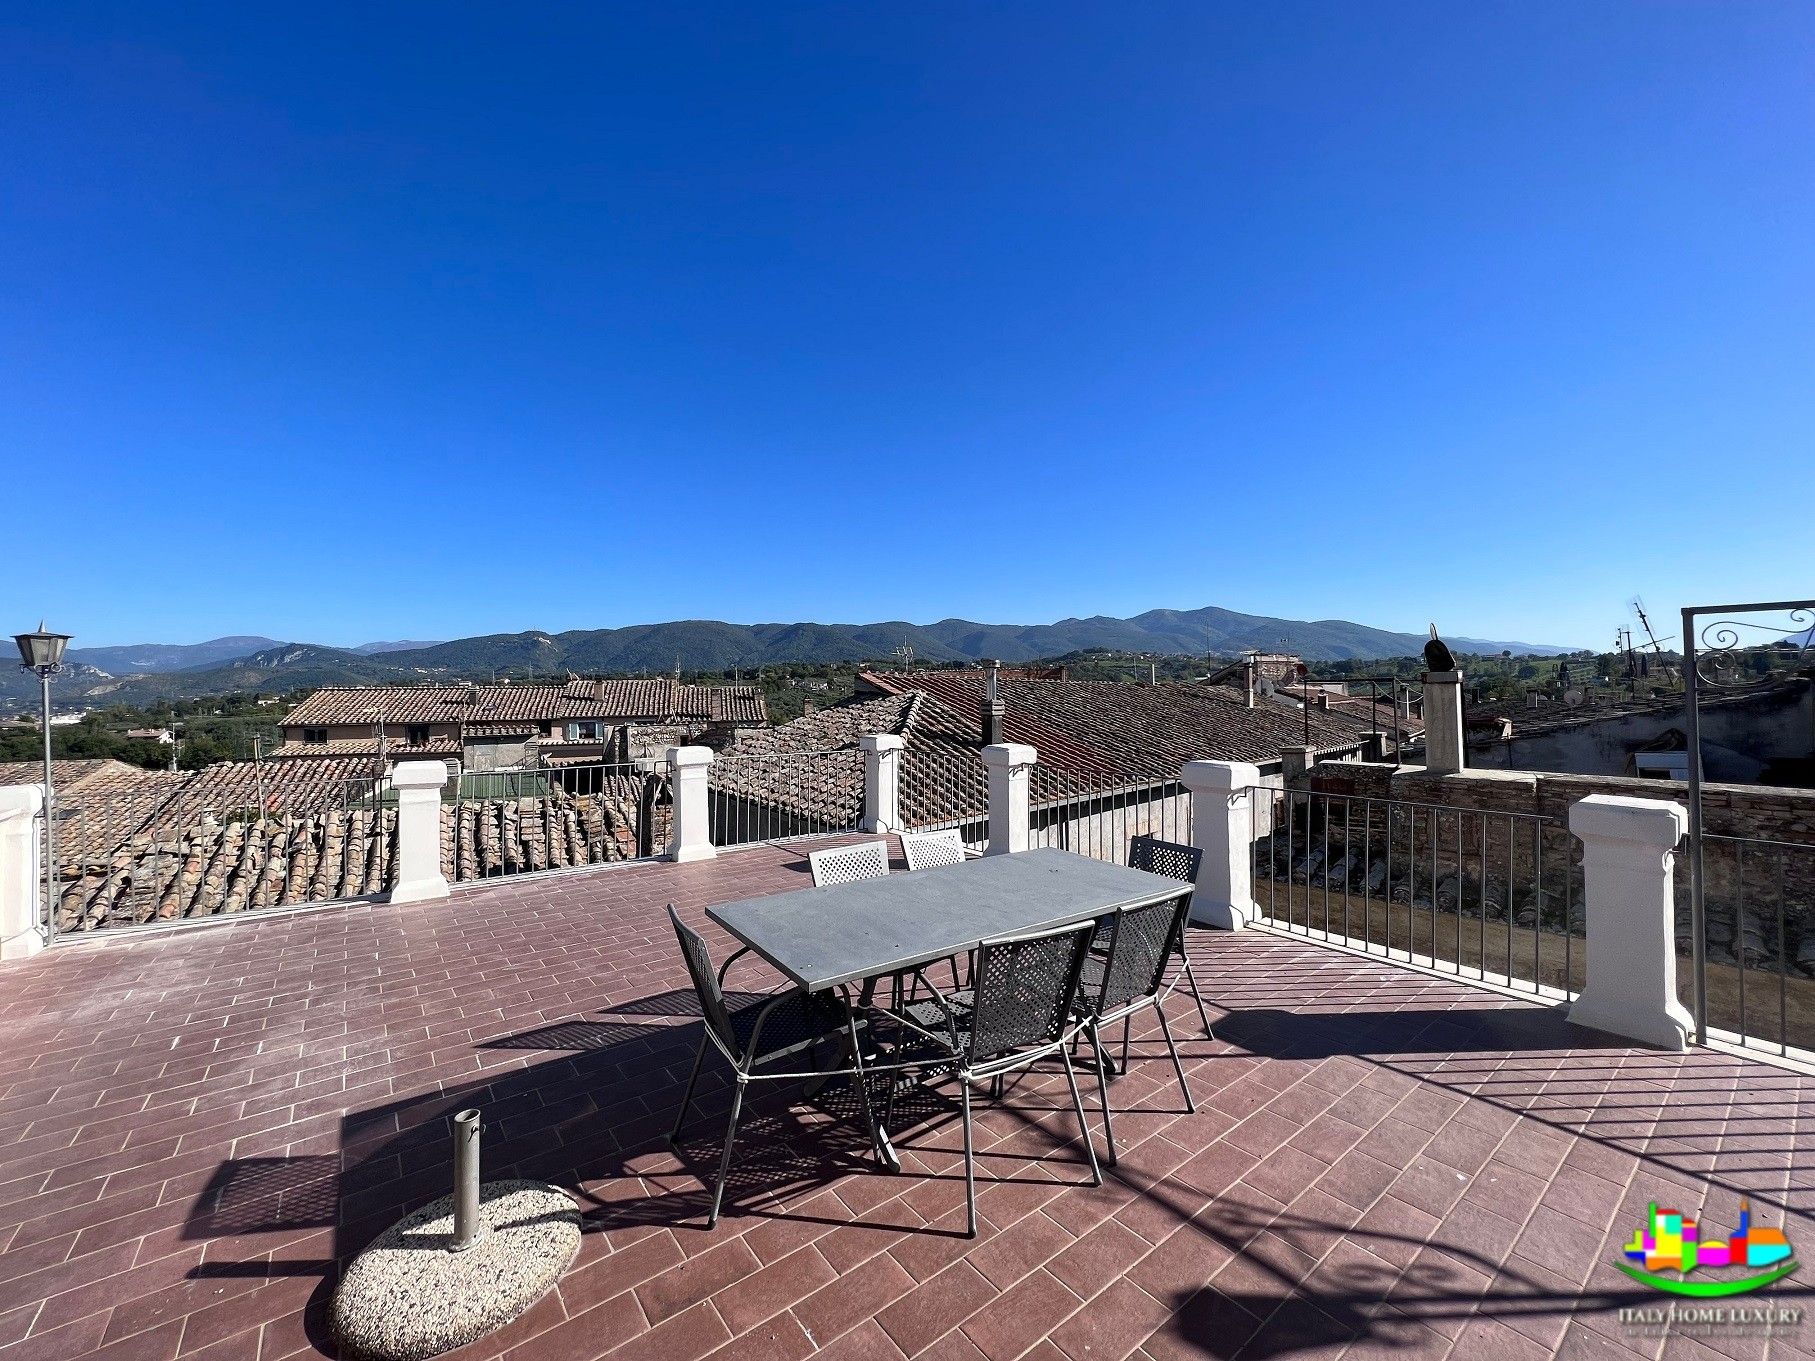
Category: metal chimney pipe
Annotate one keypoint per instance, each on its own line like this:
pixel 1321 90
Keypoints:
pixel 467 1229
pixel 993 709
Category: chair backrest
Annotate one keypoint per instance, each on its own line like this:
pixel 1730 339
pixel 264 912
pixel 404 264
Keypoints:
pixel 1165 857
pixel 1025 987
pixel 705 981
pixel 1140 941
pixel 845 864
pixel 929 850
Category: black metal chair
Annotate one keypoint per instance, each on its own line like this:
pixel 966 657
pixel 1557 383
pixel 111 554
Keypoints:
pixel 1128 978
pixel 752 1035
pixel 1022 1009
pixel 1173 861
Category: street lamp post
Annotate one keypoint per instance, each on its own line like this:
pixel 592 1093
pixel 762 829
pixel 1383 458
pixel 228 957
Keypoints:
pixel 41 653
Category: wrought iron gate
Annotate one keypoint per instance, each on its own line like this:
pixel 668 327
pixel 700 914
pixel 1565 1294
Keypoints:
pixel 1713 640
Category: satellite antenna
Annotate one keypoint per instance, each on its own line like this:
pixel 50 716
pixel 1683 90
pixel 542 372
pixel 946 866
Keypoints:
pixel 1573 698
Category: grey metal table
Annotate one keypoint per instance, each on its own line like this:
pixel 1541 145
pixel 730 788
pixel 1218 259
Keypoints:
pixel 829 938
pixel 825 937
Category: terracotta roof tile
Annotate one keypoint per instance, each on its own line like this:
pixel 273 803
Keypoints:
pixel 617 700
pixel 1100 728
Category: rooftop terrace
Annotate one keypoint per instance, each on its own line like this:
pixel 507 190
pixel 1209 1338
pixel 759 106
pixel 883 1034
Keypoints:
pixel 201 1124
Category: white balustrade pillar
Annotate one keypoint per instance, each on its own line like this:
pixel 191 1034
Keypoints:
pixel 1444 753
pixel 1010 764
pixel 882 781
pixel 691 838
pixel 1222 827
pixel 417 785
pixel 21 871
pixel 1627 866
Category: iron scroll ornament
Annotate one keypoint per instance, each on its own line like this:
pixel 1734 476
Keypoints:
pixel 1719 665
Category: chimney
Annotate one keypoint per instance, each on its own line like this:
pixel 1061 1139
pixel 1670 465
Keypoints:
pixel 598 690
pixel 1248 679
pixel 992 704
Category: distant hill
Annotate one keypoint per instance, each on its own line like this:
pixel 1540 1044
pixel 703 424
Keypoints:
pixel 712 645
pixel 703 644
pixel 137 658
pixel 371 649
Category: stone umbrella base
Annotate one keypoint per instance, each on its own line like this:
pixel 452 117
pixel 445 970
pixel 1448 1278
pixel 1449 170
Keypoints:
pixel 406 1297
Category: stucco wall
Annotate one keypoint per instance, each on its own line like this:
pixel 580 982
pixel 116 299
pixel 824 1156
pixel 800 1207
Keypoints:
pixel 1739 738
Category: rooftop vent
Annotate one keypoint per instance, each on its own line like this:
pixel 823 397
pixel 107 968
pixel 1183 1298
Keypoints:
pixel 992 704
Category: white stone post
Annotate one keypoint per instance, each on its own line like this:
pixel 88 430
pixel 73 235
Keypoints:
pixel 1222 827
pixel 691 838
pixel 1444 753
pixel 1009 766
pixel 1626 871
pixel 417 785
pixel 21 871
pixel 881 781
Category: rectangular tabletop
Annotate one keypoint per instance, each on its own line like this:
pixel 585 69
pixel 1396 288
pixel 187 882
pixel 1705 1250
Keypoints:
pixel 821 937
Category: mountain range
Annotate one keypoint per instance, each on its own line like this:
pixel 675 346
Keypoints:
pixel 144 673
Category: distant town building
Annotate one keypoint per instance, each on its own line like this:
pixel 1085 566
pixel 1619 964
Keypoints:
pixel 507 726
pixel 1764 736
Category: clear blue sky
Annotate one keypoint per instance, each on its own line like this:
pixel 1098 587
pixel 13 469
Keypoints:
pixel 603 314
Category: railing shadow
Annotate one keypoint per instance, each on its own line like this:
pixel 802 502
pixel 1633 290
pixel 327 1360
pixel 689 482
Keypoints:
pixel 1653 1124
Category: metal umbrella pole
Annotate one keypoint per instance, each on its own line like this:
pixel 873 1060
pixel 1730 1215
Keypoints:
pixel 50 821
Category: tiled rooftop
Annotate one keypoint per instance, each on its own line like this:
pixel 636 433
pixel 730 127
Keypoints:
pixel 608 699
pixel 199 1125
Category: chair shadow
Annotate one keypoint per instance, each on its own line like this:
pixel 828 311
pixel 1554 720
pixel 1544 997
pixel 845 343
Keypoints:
pixel 682 1002
pixel 592 1117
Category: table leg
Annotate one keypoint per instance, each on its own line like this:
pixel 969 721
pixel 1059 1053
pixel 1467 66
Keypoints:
pixel 879 1136
pixel 1106 1060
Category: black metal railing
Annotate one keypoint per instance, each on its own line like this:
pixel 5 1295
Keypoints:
pixel 1495 896
pixel 945 787
pixel 138 859
pixel 1098 815
pixel 1758 919
pixel 778 796
pixel 556 817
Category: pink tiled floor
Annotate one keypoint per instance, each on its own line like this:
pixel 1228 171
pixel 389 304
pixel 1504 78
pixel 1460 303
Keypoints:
pixel 198 1127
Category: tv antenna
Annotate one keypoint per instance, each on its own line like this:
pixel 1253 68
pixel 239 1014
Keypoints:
pixel 1638 608
pixel 905 655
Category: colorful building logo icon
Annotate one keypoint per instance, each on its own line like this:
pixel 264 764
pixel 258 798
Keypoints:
pixel 1671 1241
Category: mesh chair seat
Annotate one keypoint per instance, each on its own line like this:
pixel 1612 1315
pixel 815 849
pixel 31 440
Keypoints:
pixel 796 1019
pixel 928 1014
pixel 1090 982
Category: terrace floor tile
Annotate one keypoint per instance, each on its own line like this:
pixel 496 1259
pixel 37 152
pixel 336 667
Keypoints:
pixel 204 1125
